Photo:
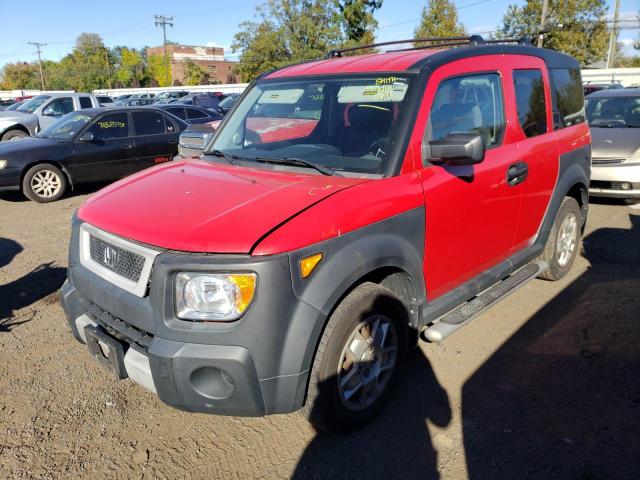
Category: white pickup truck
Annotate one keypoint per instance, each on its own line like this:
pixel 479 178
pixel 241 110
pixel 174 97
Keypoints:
pixel 41 111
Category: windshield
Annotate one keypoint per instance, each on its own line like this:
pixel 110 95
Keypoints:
pixel 67 127
pixel 609 112
pixel 32 105
pixel 346 124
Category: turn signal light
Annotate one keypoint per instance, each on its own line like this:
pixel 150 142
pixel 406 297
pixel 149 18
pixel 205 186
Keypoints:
pixel 308 264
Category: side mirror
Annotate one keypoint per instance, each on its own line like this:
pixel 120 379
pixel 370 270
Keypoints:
pixel 456 149
pixel 86 137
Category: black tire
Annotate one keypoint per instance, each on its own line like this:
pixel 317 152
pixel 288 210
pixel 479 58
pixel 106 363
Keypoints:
pixel 30 186
pixel 366 304
pixel 14 135
pixel 551 254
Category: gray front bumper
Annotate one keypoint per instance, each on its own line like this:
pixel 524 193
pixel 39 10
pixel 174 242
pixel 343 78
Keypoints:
pixel 606 180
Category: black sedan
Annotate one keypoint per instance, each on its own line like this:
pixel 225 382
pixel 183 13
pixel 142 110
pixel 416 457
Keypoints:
pixel 190 114
pixel 87 146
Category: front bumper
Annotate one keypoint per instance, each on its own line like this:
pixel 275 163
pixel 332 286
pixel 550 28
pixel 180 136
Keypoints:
pixel 620 180
pixel 9 179
pixel 254 366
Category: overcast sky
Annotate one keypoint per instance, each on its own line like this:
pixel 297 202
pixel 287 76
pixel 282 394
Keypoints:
pixel 201 22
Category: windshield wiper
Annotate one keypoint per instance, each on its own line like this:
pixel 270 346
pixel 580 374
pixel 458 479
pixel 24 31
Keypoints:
pixel 298 162
pixel 229 157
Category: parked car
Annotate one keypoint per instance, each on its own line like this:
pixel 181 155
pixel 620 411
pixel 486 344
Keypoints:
pixel 228 102
pixel 407 191
pixel 195 137
pixel 87 146
pixel 14 106
pixel 104 100
pixel 204 100
pixel 5 103
pixel 614 119
pixel 134 102
pixel 589 88
pixel 189 113
pixel 165 97
pixel 41 111
pixel 119 98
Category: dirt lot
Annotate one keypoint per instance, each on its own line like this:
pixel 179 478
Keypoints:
pixel 546 385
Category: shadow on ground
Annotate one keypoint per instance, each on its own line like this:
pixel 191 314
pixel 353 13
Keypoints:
pixel 396 444
pixel 35 285
pixel 82 189
pixel 561 397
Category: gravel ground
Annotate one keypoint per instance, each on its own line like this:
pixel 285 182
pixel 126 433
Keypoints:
pixel 545 385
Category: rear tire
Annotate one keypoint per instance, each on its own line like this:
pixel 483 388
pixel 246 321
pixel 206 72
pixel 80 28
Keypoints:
pixel 14 135
pixel 44 183
pixel 564 240
pixel 358 359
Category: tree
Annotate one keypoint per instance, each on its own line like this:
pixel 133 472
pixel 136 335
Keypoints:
pixel 130 68
pixel 194 74
pixel 157 66
pixel 439 19
pixel 358 21
pixel 86 67
pixel 286 31
pixel 21 75
pixel 577 27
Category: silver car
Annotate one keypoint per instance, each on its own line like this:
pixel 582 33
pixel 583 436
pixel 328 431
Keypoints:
pixel 614 119
pixel 39 112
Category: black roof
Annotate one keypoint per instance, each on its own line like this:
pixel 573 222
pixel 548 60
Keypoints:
pixel 615 92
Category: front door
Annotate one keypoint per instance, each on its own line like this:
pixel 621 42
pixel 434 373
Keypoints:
pixel 472 211
pixel 111 152
pixel 56 109
pixel 156 138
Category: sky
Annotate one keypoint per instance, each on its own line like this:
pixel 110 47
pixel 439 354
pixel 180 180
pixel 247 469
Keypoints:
pixel 203 22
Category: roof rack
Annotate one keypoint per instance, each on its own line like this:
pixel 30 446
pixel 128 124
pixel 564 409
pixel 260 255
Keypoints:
pixel 433 42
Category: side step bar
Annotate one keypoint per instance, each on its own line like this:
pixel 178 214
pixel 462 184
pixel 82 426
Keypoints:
pixel 462 315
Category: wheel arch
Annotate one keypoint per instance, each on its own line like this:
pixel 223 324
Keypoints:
pixel 62 168
pixel 15 126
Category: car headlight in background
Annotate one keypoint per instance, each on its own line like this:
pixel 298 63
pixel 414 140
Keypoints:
pixel 213 296
pixel 3 163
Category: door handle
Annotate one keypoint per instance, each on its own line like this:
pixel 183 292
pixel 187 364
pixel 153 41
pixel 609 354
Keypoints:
pixel 517 173
pixel 126 147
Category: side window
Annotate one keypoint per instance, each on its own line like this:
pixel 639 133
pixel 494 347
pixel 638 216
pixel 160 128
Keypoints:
pixel 195 113
pixel 468 104
pixel 111 126
pixel 59 107
pixel 178 112
pixel 148 123
pixel 530 101
pixel 85 102
pixel 568 97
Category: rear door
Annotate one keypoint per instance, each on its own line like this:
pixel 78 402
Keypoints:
pixel 156 138
pixel 178 112
pixel 111 152
pixel 471 211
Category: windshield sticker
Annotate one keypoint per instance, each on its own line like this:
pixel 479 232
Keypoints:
pixel 111 124
pixel 288 96
pixel 383 92
pixel 386 80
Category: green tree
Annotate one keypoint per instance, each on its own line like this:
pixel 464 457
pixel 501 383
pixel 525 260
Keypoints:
pixel 575 27
pixel 157 66
pixel 358 21
pixel 130 68
pixel 439 19
pixel 194 74
pixel 86 67
pixel 18 76
pixel 286 31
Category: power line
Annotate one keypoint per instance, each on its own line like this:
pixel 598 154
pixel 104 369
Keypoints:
pixel 38 49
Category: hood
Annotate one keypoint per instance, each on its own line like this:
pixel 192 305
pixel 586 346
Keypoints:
pixel 614 142
pixel 15 117
pixel 32 147
pixel 196 206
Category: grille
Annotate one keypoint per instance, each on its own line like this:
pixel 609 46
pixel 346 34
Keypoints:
pixel 123 262
pixel 606 161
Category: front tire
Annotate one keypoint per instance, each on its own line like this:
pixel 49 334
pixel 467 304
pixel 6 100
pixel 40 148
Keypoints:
pixel 357 360
pixel 44 183
pixel 14 135
pixel 563 243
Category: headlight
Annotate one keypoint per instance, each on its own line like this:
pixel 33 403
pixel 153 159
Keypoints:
pixel 3 163
pixel 213 296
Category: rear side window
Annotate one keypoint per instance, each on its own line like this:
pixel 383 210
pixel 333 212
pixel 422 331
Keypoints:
pixel 178 112
pixel 530 101
pixel 195 113
pixel 85 102
pixel 148 123
pixel 111 126
pixel 469 104
pixel 568 97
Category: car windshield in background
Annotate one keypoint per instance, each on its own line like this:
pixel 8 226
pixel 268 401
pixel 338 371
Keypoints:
pixel 348 124
pixel 67 127
pixel 32 105
pixel 615 111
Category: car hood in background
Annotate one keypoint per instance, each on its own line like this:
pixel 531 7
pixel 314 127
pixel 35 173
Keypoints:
pixel 197 206
pixel 614 142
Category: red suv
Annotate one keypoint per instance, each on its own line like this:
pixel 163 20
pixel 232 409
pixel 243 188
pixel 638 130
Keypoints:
pixel 344 205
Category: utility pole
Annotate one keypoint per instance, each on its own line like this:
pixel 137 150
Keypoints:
pixel 106 57
pixel 163 21
pixel 614 36
pixel 38 47
pixel 543 21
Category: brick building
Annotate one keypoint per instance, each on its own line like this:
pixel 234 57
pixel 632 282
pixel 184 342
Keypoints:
pixel 211 59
